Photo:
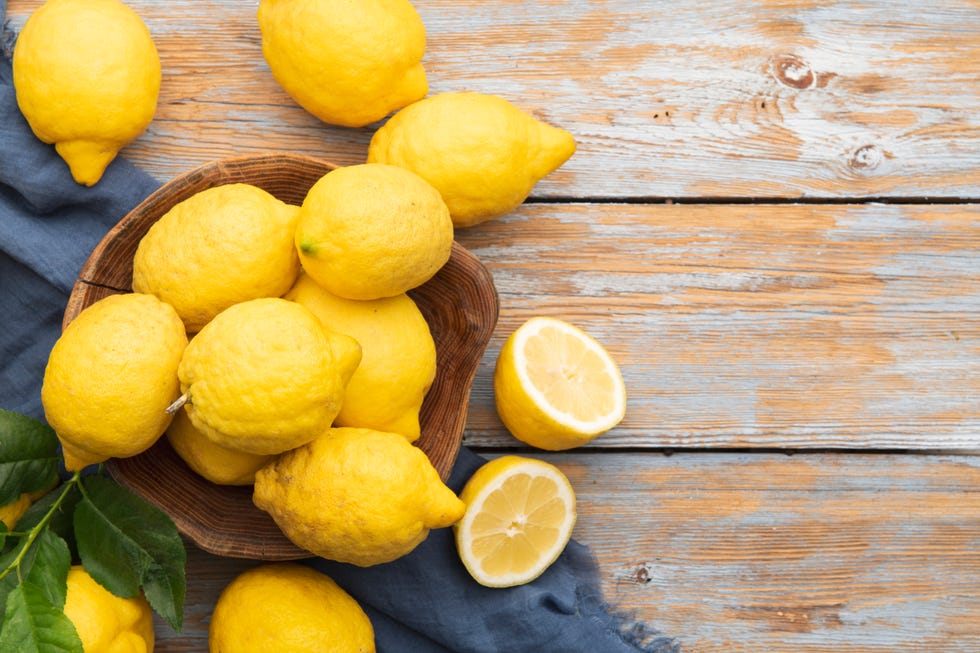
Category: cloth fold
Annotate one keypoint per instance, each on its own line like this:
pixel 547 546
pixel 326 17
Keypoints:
pixel 424 602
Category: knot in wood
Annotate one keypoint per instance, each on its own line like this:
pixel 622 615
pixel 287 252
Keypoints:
pixel 793 71
pixel 866 157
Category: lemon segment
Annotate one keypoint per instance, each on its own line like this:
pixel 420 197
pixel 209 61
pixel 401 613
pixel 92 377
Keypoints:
pixel 519 516
pixel 87 77
pixel 556 387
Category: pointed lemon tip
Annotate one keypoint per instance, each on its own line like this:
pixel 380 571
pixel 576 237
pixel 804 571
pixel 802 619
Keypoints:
pixel 77 459
pixel 556 146
pixel 445 508
pixel 87 160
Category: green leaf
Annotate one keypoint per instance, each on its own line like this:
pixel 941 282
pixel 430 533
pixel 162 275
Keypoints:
pixel 60 521
pixel 32 625
pixel 49 573
pixel 28 456
pixel 124 542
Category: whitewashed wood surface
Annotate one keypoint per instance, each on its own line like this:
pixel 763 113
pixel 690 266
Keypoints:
pixel 773 222
pixel 679 99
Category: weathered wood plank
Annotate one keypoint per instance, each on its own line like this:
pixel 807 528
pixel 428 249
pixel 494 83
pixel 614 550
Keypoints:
pixel 693 98
pixel 749 325
pixel 757 552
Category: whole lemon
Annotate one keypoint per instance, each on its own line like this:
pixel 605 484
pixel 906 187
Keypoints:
pixel 219 247
pixel 110 377
pixel 217 464
pixel 262 377
pixel 105 622
pixel 287 607
pixel 398 362
pixel 347 63
pixel 481 152
pixel 87 77
pixel 356 495
pixel 373 230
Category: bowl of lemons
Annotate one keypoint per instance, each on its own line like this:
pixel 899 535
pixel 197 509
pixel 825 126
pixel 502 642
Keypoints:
pixel 323 308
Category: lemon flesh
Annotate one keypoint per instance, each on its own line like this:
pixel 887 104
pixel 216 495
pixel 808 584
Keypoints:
pixel 347 63
pixel 354 495
pixel 481 152
pixel 87 77
pixel 288 608
pixel 104 622
pixel 520 513
pixel 398 363
pixel 556 387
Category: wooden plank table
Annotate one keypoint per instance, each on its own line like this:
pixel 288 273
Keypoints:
pixel 772 221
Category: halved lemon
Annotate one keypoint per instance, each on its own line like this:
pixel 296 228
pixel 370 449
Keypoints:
pixel 519 516
pixel 555 386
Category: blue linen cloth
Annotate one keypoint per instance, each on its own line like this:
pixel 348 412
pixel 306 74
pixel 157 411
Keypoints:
pixel 424 602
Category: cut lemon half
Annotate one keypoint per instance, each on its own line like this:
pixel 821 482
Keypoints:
pixel 519 516
pixel 556 387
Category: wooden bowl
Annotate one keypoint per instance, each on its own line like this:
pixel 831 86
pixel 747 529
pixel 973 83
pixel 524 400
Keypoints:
pixel 460 304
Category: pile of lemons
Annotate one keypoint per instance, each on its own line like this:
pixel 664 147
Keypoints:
pixel 276 345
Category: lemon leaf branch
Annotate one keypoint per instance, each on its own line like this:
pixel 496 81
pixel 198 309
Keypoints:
pixel 126 544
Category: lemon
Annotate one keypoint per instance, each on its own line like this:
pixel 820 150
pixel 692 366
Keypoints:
pixel 11 513
pixel 481 152
pixel 520 513
pixel 287 607
pixel 262 377
pixel 87 77
pixel 219 247
pixel 555 386
pixel 356 495
pixel 105 622
pixel 347 63
pixel 217 464
pixel 398 362
pixel 110 377
pixel 371 230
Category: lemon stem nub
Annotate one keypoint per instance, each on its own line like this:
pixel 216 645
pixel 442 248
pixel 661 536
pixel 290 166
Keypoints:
pixel 178 403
